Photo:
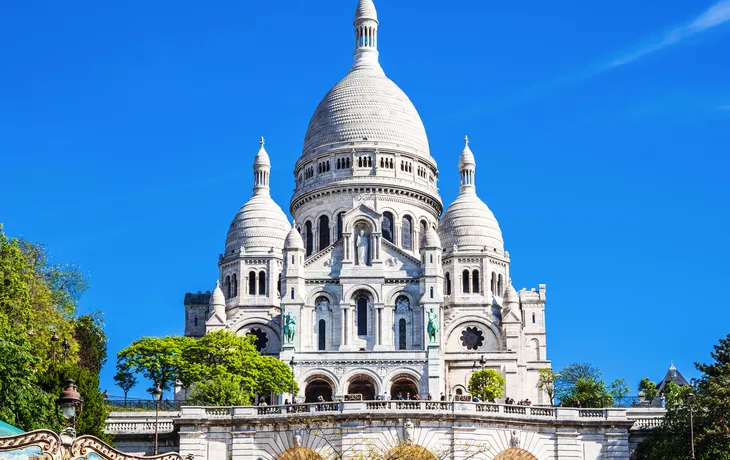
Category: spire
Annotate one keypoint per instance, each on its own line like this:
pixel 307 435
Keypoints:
pixel 366 35
pixel 261 169
pixel 467 165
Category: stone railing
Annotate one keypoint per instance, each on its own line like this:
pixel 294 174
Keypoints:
pixel 139 422
pixel 645 418
pixel 410 407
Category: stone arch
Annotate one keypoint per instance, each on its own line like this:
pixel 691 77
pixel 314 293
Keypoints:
pixel 350 294
pixel 400 379
pixel 315 385
pixel 322 292
pixel 351 221
pixel 299 453
pixel 409 451
pixel 361 373
pixel 322 374
pixel 535 349
pixel 412 298
pixel 514 454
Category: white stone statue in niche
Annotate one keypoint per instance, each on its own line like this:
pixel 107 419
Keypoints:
pixel 323 304
pixel 362 248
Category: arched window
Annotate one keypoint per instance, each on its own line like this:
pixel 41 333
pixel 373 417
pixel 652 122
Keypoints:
pixel 465 282
pixel 388 226
pixel 252 283
pixel 196 321
pixel 292 293
pixel 324 232
pixel 406 229
pixel 536 349
pixel 475 281
pixel 494 283
pixel 533 318
pixel 234 285
pixel 432 292
pixel 262 283
pixel 402 343
pixel 362 316
pixel 499 285
pixel 430 258
pixel 448 284
pixel 228 287
pixel 278 283
pixel 424 227
pixel 339 224
pixel 321 335
pixel 308 238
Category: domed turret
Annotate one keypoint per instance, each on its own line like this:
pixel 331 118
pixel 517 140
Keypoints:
pixel 294 238
pixel 217 299
pixel 431 239
pixel 260 224
pixel 468 223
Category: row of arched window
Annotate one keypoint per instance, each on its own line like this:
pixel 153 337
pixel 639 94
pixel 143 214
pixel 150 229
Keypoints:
pixel 421 172
pixel 343 163
pixel 231 284
pixel 323 167
pixel 470 283
pixel 364 161
pixel 309 173
pixel 406 166
pixel 386 163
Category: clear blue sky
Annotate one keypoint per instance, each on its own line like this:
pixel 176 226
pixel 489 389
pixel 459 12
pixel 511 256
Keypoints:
pixel 601 130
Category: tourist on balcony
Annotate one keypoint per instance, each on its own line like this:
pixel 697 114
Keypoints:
pixel 443 396
pixel 400 396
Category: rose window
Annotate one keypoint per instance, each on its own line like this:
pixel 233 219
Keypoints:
pixel 261 339
pixel 472 338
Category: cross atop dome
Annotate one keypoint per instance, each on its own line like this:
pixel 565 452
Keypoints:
pixel 262 142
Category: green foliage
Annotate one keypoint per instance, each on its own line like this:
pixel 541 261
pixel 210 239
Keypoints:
pixel 710 411
pixel 221 390
pixel 619 389
pixel 487 385
pixel 156 358
pixel 211 367
pixel 37 299
pixel 546 382
pixel 649 388
pixel 583 382
pixel 125 380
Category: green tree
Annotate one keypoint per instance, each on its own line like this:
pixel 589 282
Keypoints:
pixel 156 358
pixel 546 382
pixel 582 382
pixel 38 299
pixel 710 414
pixel 221 390
pixel 619 389
pixel 648 388
pixel 487 385
pixel 125 380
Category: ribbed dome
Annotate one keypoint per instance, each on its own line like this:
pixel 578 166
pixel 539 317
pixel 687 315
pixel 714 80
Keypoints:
pixel 217 298
pixel 365 10
pixel 510 295
pixel 259 224
pixel 470 224
pixel 366 105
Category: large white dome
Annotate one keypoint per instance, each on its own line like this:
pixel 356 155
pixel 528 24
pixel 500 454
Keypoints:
pixel 366 106
pixel 470 224
pixel 259 224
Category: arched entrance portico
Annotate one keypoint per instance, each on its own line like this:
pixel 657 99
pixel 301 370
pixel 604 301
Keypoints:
pixel 515 454
pixel 317 387
pixel 363 385
pixel 405 385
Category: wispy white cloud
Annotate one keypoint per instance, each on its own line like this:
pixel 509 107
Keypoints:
pixel 716 15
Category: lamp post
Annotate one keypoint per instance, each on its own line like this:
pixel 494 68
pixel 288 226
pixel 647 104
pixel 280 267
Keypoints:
pixel 690 404
pixel 291 363
pixel 157 394
pixel 54 341
pixel 482 364
pixel 66 346
pixel 71 406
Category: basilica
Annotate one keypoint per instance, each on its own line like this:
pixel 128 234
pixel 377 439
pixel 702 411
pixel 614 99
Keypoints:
pixel 373 287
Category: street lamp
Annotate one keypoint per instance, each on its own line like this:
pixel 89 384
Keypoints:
pixel 66 346
pixel 291 363
pixel 690 403
pixel 157 394
pixel 71 406
pixel 54 341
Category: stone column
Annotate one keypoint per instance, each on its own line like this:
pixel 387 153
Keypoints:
pixel 568 446
pixel 380 328
pixel 343 326
pixel 242 444
pixel 616 445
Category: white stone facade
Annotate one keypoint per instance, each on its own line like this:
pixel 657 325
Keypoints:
pixel 371 254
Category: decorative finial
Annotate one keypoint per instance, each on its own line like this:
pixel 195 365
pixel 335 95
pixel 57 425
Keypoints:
pixel 217 283
pixel 671 362
pixel 466 140
pixel 262 141
pixel 293 222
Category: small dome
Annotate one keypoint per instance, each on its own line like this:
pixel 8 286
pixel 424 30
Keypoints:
pixel 431 240
pixel 262 158
pixel 217 298
pixel 259 224
pixel 294 239
pixel 470 224
pixel 467 157
pixel 510 295
pixel 365 10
